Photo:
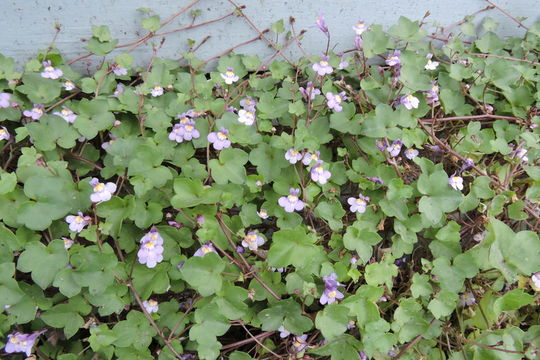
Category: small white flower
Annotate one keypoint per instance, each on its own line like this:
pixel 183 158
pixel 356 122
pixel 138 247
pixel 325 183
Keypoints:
pixel 456 182
pixel 411 153
pixel 229 76
pixel 536 279
pixel 68 85
pixel 67 242
pixel 246 117
pixel 293 156
pixel 156 91
pixel 151 306
pixel 263 214
pixel 4 134
pixel 522 154
pixel 431 65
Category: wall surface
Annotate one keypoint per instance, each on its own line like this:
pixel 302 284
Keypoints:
pixel 28 25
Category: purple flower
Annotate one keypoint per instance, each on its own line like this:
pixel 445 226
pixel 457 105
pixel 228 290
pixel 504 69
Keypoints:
pixel 219 139
pixel 359 27
pixel 381 144
pixel 263 214
pixel 535 278
pixel 205 249
pixel 467 299
pixel 331 293
pixel 246 117
pixel 240 249
pixel 456 182
pixel 351 324
pixel 229 76
pixel 49 72
pixel 67 242
pixel 119 90
pixel 102 192
pixel 432 95
pixel 479 237
pixel 68 85
pixel 358 42
pixel 358 204
pixel 466 164
pixel 118 70
pixel 308 157
pixel 362 355
pixel 151 306
pixel 151 250
pixel 156 91
pixel 299 344
pixel 411 153
pixel 393 59
pixel 200 219
pixel 409 101
pixel 19 342
pixel 252 240
pixel 4 134
pixel 375 179
pixel 248 103
pixel 521 154
pixel 291 202
pixel 321 24
pixel 175 224
pixel 318 174
pixel 395 148
pixel 323 67
pixel 184 131
pixel 66 114
pixel 35 113
pixel 354 260
pixel 106 144
pixel 343 64
pixel 77 222
pixel 283 333
pixel 4 100
pixel 334 101
pixel 293 156
pixel 310 92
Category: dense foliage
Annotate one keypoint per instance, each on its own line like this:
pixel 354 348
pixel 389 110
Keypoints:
pixel 379 203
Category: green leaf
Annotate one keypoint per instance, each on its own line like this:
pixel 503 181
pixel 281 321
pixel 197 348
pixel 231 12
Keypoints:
pixel 44 262
pixel 375 41
pixel 343 347
pixel 204 273
pixel 135 331
pixel 151 23
pixel 190 193
pixel 362 241
pixel 287 313
pixel 439 196
pixel 512 300
pixel 230 167
pixel 39 90
pixel 51 131
pixel 67 316
pixel 101 32
pixel 443 304
pixel 332 321
pixel 294 247
pixel 269 161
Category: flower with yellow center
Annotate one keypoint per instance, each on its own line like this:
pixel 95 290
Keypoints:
pixel 99 187
pixel 221 136
pixel 189 127
pixel 149 245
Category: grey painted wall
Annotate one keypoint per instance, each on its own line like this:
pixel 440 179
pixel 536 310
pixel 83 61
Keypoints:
pixel 28 25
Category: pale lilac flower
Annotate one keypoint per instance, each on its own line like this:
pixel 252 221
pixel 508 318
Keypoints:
pixel 118 70
pixel 156 91
pixel 478 237
pixel 151 306
pixel 151 250
pixel 466 164
pixel 323 67
pixel 68 85
pixel 358 42
pixel 106 144
pixel 308 157
pixel 35 113
pixel 4 134
pixel 319 174
pixel 351 324
pixel 200 219
pixel 521 154
pixel 49 72
pixel 456 182
pixel 67 242
pixel 411 153
pixel 175 224
pixel 279 270
pixel 186 131
pixel 343 64
pixel 331 293
pixel 395 148
pixel 353 260
pixel 358 204
pixel 240 249
pixel 19 342
pixel 381 144
pixel 393 59
pixel 310 91
pixel 359 27
pixel 77 222
pixel 293 156
pixel 467 299
pixel 291 202
pixel 219 139
pixel 409 101
pixel 4 100
pixel 432 95
pixel 246 117
pixel 362 355
pixel 263 214
pixel 283 333
pixel 431 65
pixel 205 249
pixel 321 24
pixel 535 278
pixel 299 344
pixel 102 192
pixel 229 76
pixel 248 103
pixel 119 90
pixel 375 179
pixel 66 114
pixel 334 101
pixel 252 240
